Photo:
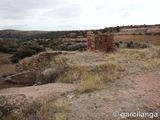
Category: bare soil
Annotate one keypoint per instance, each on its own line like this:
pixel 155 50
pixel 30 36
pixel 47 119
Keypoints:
pixel 131 93
pixel 136 90
pixel 21 97
pixel 155 40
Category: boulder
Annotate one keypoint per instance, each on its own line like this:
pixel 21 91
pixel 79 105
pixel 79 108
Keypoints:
pixel 26 78
pixel 50 74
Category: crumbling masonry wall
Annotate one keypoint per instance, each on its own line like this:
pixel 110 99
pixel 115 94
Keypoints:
pixel 35 62
pixel 100 42
pixel 90 41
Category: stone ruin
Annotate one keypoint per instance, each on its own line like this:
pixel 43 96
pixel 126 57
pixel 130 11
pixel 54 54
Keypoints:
pixel 100 42
pixel 27 76
pixel 35 62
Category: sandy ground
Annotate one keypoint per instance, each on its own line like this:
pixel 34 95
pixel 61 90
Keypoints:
pixel 20 97
pixel 133 93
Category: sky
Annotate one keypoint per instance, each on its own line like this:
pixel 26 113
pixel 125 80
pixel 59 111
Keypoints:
pixel 52 15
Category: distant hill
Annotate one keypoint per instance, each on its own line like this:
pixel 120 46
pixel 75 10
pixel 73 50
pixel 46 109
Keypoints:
pixel 119 30
pixel 133 30
pixel 26 35
pixel 19 35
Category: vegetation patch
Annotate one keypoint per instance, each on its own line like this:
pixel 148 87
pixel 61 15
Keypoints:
pixel 91 78
pixel 54 109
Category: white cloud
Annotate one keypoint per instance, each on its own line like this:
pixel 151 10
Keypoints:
pixel 65 11
pixel 76 14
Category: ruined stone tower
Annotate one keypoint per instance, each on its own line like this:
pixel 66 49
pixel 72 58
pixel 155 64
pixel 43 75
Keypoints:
pixel 100 42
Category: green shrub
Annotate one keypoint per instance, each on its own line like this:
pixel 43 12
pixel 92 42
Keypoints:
pixel 15 60
pixel 11 50
pixel 120 42
pixel 128 44
pixel 24 53
pixel 36 49
pixel 117 44
pixel 131 42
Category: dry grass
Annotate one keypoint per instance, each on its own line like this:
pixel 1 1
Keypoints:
pixel 93 70
pixel 91 78
pixel 98 76
pixel 148 56
pixel 53 109
pixel 70 76
pixel 95 75
pixel 107 67
pixel 25 62
pixel 89 83
pixel 61 116
pixel 10 117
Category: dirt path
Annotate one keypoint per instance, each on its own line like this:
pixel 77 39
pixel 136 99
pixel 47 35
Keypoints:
pixel 128 94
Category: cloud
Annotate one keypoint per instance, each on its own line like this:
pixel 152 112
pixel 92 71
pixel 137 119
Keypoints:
pixel 76 14
pixel 15 6
pixel 65 11
pixel 38 8
pixel 14 10
pixel 20 9
pixel 14 26
pixel 100 6
pixel 125 11
pixel 130 7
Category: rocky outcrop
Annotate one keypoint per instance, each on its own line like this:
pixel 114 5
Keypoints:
pixel 26 78
pixel 29 78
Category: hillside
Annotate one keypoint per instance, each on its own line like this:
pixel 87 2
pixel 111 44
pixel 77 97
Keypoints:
pixel 27 35
pixel 118 31
pixel 90 86
pixel 18 35
pixel 49 75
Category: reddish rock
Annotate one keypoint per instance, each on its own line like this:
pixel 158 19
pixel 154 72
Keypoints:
pixel 26 78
